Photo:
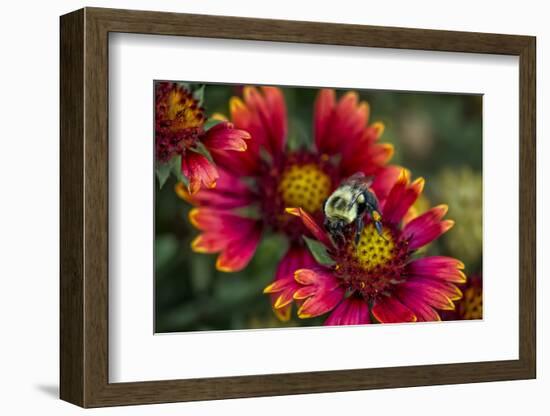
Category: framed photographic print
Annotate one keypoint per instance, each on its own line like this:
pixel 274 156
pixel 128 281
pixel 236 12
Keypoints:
pixel 260 207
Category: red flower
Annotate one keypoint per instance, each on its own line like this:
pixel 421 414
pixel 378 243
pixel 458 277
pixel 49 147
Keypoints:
pixel 380 275
pixel 471 305
pixel 179 130
pixel 270 177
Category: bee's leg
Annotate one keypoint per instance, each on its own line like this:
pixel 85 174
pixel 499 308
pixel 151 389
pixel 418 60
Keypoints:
pixel 379 230
pixel 338 238
pixel 375 215
pixel 341 238
pixel 326 224
pixel 360 225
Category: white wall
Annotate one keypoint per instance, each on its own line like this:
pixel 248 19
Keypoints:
pixel 29 210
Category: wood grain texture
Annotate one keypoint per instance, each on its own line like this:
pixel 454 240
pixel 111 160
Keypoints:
pixel 528 208
pixel 71 100
pixel 225 27
pixel 84 207
pixel 96 218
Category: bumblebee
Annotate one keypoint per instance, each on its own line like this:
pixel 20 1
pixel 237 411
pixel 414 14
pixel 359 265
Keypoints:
pixel 348 204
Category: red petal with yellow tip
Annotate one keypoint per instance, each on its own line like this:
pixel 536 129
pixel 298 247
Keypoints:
pixel 425 228
pixel 312 276
pixel 234 237
pixel 366 157
pixel 430 293
pixel 325 293
pixel 221 222
pixel 247 162
pixel 351 311
pixel 401 198
pixel 437 267
pixel 311 225
pixel 283 314
pixel 229 193
pixel 448 289
pixel 208 243
pixel 224 136
pixel 296 257
pixel 384 180
pixel 239 251
pixel 304 292
pixel 422 311
pixel 338 124
pixel 264 116
pixel 350 117
pixel 321 304
pixel 324 105
pixel 420 236
pixel 199 171
pixel 378 129
pixel 389 310
pixel 277 118
pixel 282 289
pixel 363 154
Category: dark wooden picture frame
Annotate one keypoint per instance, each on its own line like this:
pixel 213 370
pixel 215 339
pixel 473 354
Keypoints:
pixel 84 207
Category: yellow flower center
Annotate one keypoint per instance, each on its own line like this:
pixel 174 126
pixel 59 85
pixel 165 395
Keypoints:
pixel 304 186
pixel 471 306
pixel 184 110
pixel 373 250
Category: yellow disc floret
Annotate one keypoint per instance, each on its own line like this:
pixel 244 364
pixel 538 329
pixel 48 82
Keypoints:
pixel 471 307
pixel 372 250
pixel 304 186
pixel 183 110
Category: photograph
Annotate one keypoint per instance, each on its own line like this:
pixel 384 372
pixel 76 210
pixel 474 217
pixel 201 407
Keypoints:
pixel 289 206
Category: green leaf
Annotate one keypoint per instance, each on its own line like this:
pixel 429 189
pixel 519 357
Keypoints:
pixel 173 167
pixel 198 94
pixel 319 252
pixel 176 170
pixel 163 172
pixel 184 85
pixel 201 149
pixel 211 123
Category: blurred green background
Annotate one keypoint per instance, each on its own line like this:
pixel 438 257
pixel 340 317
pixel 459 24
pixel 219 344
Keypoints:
pixel 437 136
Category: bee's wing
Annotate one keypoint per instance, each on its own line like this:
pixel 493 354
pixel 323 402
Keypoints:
pixel 359 178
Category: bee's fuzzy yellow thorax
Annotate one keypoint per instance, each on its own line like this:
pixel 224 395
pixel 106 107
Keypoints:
pixel 338 205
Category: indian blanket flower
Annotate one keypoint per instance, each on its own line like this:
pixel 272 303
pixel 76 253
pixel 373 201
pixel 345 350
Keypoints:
pixel 382 277
pixel 270 177
pixel 180 131
pixel 471 304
